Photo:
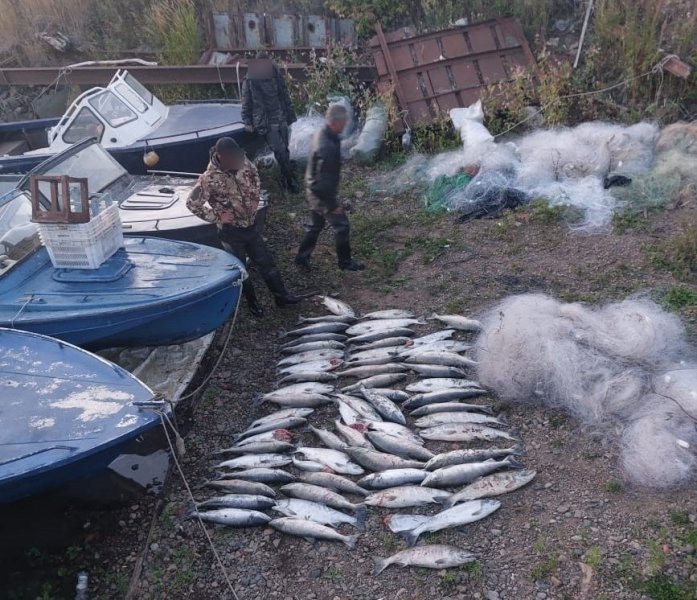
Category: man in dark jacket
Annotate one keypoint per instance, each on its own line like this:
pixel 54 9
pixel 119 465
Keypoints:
pixel 228 193
pixel 267 111
pixel 322 187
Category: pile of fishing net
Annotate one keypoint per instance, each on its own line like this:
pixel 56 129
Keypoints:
pixel 621 369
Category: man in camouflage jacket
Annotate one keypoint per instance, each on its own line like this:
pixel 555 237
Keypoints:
pixel 228 194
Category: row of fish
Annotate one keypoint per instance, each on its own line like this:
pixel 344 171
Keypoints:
pixel 371 440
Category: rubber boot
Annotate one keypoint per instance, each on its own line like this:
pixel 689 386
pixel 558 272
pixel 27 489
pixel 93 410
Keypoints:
pixel 253 304
pixel 282 297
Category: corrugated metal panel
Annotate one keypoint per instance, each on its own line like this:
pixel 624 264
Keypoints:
pixel 250 31
pixel 437 71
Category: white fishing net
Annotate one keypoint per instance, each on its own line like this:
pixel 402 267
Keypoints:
pixel 617 369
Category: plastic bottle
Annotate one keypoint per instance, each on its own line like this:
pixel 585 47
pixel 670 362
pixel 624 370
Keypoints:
pixel 81 588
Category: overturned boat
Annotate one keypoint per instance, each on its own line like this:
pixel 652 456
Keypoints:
pixel 136 128
pixel 66 413
pixel 151 292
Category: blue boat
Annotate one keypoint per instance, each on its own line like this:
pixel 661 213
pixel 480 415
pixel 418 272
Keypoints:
pixel 66 413
pixel 151 292
pixel 131 122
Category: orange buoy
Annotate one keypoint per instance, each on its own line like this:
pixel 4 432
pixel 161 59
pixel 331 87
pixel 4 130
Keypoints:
pixel 151 158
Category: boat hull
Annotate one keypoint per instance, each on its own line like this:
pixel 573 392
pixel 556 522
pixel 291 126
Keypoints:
pixel 153 292
pixel 66 413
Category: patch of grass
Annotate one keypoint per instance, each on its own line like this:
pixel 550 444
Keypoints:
pixel 540 546
pixel 211 394
pixel 593 557
pixel 541 211
pixel 690 537
pixel 680 518
pixel 368 231
pixel 679 297
pixel 430 247
pixel 545 569
pixel 657 558
pixel 448 580
pixel 613 486
pixel 678 254
pixel 629 221
pixel 454 306
pixel 557 443
pixel 591 454
pixel 626 566
pixel 474 570
pixel 556 420
pixel 174 27
pixel 661 587
pixel 332 573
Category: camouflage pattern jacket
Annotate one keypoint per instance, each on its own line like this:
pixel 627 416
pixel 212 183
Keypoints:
pixel 234 192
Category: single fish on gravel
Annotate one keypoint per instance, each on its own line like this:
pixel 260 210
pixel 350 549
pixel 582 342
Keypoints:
pixel 231 517
pixel 387 409
pixel 349 415
pixel 240 486
pixel 281 435
pixel 407 496
pixel 253 461
pixel 444 359
pixel 313 346
pixel 248 501
pixel 337 307
pixel 457 322
pixel 319 513
pixel 371 370
pixel 315 493
pixel 436 370
pixel 451 407
pixel 312 338
pixel 469 455
pixel 309 529
pixel 317 328
pixel 392 478
pixel 366 327
pixel 424 340
pixel 352 436
pixel 329 439
pixel 442 383
pixel 299 391
pixel 287 423
pixel 362 407
pixel 265 475
pixel 391 342
pixel 381 335
pixel 395 429
pixel 314 366
pixel 434 398
pixel 270 447
pixel 392 313
pixel 460 514
pixel 492 485
pixel 308 465
pixel 336 460
pixel 467 472
pixel 333 482
pixel 312 356
pixel 306 377
pixel 398 446
pixel 465 432
pixel 457 417
pixel 441 397
pixel 388 353
pixel 394 395
pixel 437 346
pixel 432 556
pixel 282 414
pixel 375 361
pixel 327 319
pixel 377 381
pixel 381 461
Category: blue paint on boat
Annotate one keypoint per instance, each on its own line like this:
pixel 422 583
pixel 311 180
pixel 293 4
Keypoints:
pixel 152 292
pixel 65 413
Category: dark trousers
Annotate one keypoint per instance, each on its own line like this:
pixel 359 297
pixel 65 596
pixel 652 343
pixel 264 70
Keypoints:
pixel 342 229
pixel 277 138
pixel 248 242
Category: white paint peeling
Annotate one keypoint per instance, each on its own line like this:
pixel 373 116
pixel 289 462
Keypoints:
pixel 42 423
pixel 95 402
pixel 127 421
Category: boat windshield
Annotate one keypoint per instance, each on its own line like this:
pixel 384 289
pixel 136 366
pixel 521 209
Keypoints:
pixel 91 162
pixel 19 237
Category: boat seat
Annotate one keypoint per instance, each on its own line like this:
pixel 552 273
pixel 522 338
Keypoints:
pixel 13 147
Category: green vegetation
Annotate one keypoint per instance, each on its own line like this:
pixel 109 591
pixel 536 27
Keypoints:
pixel 474 570
pixel 629 221
pixel 593 557
pixel 448 580
pixel 613 486
pixel 173 25
pixel 678 254
pixel 332 573
pixel 680 518
pixel 661 587
pixel 679 298
pixel 545 569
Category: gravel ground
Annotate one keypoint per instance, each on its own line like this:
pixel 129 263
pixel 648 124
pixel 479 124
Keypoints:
pixel 578 531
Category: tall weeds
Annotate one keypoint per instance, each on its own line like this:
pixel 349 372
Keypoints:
pixel 174 27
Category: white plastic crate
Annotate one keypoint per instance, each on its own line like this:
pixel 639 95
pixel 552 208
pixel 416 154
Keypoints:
pixel 83 245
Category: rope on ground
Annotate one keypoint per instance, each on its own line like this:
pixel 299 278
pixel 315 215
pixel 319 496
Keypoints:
pixel 204 383
pixel 165 419
pixel 657 69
